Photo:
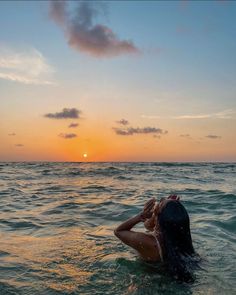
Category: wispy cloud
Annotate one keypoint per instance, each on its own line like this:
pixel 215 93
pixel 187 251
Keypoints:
pixel 67 135
pixel 73 125
pixel 66 113
pixel 213 136
pixel 150 117
pixel 123 122
pixel 27 67
pixel 19 145
pixel 84 35
pixel 57 12
pixel 225 114
pixel 145 130
pixel 11 134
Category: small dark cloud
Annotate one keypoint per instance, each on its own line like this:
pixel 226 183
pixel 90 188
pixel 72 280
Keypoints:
pixel 123 122
pixel 67 135
pixel 66 113
pixel 185 135
pixel 145 130
pixel 73 125
pixel 156 136
pixel 11 134
pixel 83 34
pixel 213 136
pixel 19 145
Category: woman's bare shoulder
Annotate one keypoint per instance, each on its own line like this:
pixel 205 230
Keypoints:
pixel 150 250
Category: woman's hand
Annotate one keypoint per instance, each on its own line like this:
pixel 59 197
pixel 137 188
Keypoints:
pixel 149 223
pixel 173 197
pixel 148 209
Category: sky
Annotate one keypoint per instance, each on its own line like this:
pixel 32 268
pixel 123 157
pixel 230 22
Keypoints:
pixel 118 81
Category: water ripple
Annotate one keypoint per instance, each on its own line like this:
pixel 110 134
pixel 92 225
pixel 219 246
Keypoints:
pixel 57 221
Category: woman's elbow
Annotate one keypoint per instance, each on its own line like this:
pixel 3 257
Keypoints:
pixel 116 233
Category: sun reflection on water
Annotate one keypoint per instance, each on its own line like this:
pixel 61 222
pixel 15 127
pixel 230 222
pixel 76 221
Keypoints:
pixel 62 261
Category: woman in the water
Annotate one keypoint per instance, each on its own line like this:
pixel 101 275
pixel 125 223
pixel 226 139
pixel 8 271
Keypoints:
pixel 169 238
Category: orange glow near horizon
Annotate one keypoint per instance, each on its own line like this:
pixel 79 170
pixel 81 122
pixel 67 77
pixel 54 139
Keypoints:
pixel 38 138
pixel 100 143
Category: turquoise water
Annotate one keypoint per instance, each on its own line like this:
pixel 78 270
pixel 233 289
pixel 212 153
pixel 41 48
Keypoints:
pixel 57 221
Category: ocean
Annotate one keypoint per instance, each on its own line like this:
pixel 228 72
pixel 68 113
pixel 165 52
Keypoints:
pixel 57 222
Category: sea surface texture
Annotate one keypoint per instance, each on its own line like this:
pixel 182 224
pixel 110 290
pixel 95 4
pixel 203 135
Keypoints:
pixel 57 222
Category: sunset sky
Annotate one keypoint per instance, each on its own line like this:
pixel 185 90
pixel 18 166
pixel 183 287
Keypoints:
pixel 118 81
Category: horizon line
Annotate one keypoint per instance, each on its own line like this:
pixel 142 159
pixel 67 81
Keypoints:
pixel 42 161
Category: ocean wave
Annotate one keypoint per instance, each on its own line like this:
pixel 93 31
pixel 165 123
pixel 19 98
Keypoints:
pixel 18 225
pixel 57 221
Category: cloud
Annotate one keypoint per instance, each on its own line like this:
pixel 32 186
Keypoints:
pixel 57 12
pixel 226 114
pixel 19 145
pixel 145 130
pixel 84 35
pixel 73 125
pixel 27 67
pixel 11 134
pixel 213 136
pixel 66 113
pixel 122 122
pixel 67 135
pixel 185 135
pixel 150 117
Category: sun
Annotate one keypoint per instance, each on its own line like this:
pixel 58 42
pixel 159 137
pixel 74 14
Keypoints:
pixel 85 155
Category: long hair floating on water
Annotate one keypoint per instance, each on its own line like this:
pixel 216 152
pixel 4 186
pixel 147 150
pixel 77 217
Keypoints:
pixel 174 223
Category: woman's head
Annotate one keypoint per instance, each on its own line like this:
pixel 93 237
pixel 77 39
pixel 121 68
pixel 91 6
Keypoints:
pixel 173 221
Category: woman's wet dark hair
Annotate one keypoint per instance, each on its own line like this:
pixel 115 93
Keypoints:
pixel 174 223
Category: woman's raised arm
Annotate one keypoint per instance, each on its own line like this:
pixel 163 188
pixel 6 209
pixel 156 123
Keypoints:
pixel 133 239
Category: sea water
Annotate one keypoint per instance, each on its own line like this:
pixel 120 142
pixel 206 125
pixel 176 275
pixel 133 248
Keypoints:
pixel 57 222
